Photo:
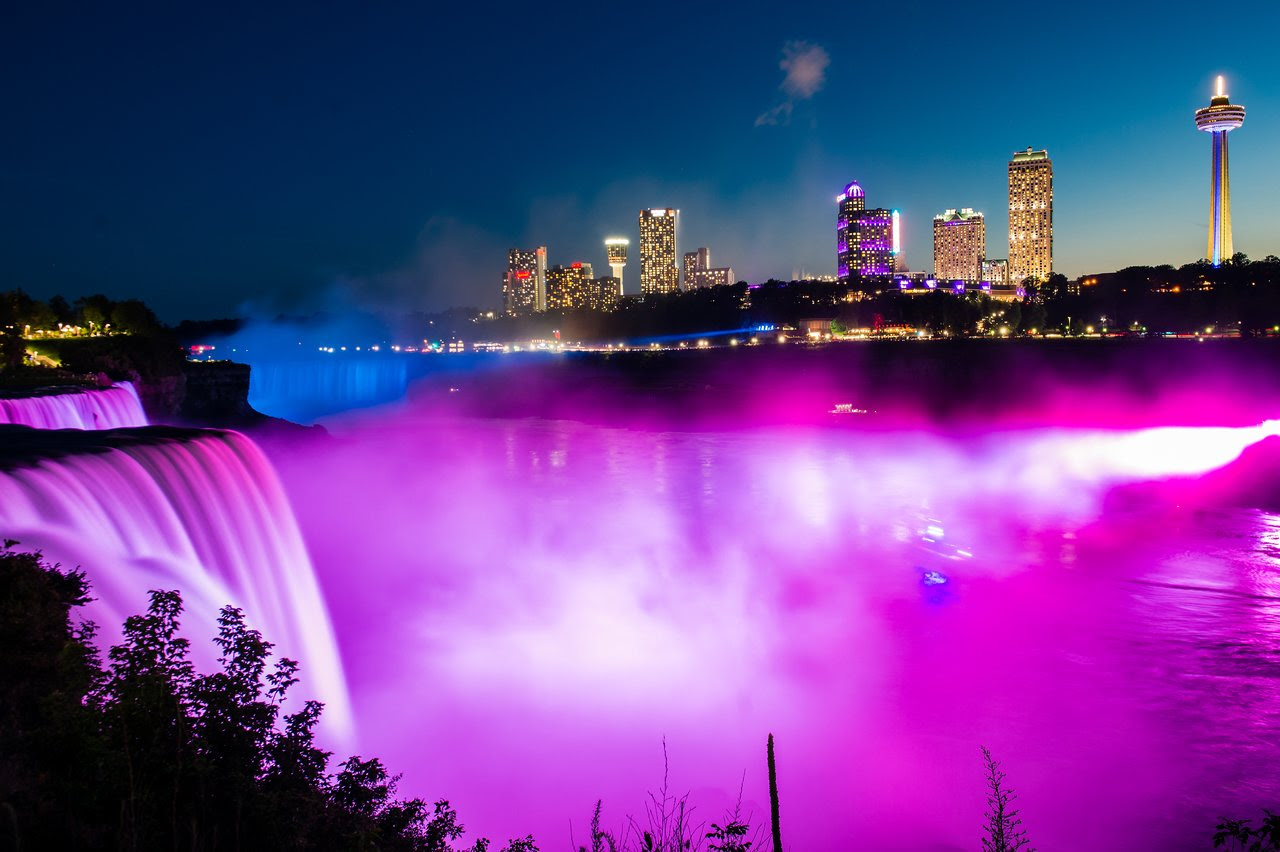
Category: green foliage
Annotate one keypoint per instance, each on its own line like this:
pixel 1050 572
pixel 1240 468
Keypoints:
pixel 133 317
pixel 730 837
pixel 145 753
pixel 97 313
pixel 1241 293
pixel 124 340
pixel 13 349
pixel 1003 831
pixel 50 737
pixel 1032 315
pixel 119 356
pixel 1240 836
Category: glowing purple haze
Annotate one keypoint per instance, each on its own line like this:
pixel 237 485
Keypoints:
pixel 558 597
pixel 526 607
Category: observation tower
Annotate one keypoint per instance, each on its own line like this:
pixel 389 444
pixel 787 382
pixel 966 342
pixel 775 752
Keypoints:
pixel 615 249
pixel 1218 118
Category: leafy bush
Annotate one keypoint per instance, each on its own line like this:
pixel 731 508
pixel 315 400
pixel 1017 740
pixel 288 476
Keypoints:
pixel 143 752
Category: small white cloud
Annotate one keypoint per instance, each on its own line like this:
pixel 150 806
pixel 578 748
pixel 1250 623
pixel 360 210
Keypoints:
pixel 805 72
pixel 806 67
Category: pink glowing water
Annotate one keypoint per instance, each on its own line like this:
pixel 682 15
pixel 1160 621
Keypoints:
pixel 109 408
pixel 526 608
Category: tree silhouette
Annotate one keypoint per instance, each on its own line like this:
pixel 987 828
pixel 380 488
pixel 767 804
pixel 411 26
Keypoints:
pixel 1238 835
pixel 1003 831
pixel 145 753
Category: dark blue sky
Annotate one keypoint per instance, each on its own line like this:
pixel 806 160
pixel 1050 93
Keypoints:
pixel 205 158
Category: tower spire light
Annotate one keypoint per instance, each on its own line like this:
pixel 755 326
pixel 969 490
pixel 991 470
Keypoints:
pixel 1219 118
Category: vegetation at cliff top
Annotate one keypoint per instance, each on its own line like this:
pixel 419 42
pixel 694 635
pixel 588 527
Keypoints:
pixel 57 342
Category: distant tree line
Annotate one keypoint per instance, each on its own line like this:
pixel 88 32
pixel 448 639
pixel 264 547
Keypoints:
pixel 1240 293
pixel 121 339
pixel 744 308
pixel 94 314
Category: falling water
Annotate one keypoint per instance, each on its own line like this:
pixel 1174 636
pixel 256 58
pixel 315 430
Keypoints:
pixel 305 390
pixel 199 511
pixel 115 407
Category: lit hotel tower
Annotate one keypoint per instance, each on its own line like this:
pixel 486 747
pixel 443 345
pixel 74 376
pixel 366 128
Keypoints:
pixel 615 251
pixel 1217 118
pixel 1030 216
pixel 659 272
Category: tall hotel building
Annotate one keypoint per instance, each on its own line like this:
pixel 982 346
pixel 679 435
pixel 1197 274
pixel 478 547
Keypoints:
pixel 1219 118
pixel 571 287
pixel 959 245
pixel 699 273
pixel 1030 216
pixel 695 262
pixel 866 240
pixel 659 272
pixel 524 287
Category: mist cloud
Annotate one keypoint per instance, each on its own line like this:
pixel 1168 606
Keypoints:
pixel 805 72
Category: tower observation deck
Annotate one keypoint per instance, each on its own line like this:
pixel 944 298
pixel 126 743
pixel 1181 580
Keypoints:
pixel 1218 118
pixel 615 249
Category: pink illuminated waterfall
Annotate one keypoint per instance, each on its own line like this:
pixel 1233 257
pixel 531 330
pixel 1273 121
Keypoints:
pixel 202 512
pixel 108 408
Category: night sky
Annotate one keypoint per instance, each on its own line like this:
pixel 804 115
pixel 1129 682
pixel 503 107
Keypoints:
pixel 210 159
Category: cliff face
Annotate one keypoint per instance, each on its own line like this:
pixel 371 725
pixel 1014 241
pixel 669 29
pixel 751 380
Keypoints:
pixel 161 396
pixel 215 392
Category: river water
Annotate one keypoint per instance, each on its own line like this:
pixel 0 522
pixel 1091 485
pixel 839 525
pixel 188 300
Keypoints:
pixel 528 609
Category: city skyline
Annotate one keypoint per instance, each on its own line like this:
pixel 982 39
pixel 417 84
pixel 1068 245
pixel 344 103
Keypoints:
pixel 209 164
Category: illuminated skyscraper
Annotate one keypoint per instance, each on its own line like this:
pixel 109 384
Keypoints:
pixel 865 239
pixel 524 287
pixel 1218 118
pixel 959 244
pixel 571 287
pixel 605 293
pixel 658 270
pixel 1030 216
pixel 615 250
